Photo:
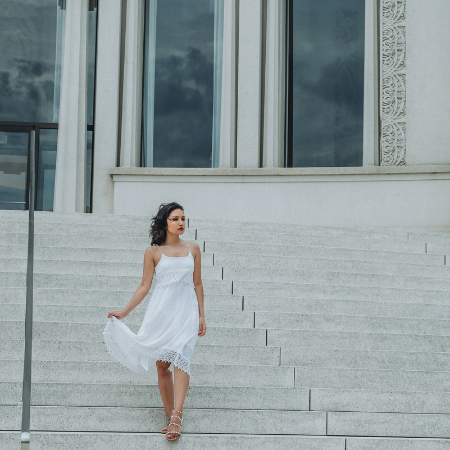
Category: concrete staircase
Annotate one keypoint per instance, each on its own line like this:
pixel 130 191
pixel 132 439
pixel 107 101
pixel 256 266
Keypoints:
pixel 318 338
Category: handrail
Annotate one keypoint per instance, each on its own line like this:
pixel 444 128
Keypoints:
pixel 26 391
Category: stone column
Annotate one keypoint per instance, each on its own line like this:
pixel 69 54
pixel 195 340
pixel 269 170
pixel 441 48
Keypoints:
pixel 130 144
pixel 227 156
pixel 371 147
pixel 107 104
pixel 249 84
pixel 275 90
pixel 70 178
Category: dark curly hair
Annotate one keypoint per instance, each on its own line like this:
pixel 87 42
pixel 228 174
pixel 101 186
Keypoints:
pixel 158 230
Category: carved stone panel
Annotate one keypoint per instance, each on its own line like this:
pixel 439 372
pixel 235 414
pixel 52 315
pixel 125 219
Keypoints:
pixel 393 83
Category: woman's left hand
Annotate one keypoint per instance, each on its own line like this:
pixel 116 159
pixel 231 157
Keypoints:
pixel 201 326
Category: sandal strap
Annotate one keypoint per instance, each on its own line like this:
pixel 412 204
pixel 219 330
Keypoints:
pixel 174 415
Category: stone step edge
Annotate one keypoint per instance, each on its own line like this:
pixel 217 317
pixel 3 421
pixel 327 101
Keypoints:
pixel 229 280
pixel 299 299
pixel 131 322
pixel 23 247
pixel 296 232
pixel 200 242
pixel 110 362
pixel 251 328
pixel 274 388
pixel 283 348
pixel 7 259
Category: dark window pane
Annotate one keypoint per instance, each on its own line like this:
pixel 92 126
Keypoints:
pixel 46 170
pixel 181 56
pixel 327 89
pixel 30 56
pixel 92 39
pixel 13 169
pixel 89 162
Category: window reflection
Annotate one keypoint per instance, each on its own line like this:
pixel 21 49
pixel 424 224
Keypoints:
pixel 182 83
pixel 29 70
pixel 13 169
pixel 46 170
pixel 326 85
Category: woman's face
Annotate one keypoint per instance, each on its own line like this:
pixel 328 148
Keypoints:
pixel 176 222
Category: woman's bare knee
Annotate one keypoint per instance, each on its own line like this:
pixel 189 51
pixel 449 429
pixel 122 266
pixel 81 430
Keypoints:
pixel 163 367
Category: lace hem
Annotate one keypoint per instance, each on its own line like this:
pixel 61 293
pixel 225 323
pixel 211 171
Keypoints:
pixel 175 276
pixel 161 354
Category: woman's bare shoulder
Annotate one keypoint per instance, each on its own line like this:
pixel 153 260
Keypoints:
pixel 194 246
pixel 152 250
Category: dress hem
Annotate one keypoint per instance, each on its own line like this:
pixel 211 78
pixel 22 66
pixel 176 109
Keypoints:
pixel 174 357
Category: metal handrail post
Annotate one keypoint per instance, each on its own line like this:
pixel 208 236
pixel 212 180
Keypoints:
pixel 26 392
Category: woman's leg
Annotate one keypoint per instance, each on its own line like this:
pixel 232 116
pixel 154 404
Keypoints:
pixel 181 383
pixel 165 383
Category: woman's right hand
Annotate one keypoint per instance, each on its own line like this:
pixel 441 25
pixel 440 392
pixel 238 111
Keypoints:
pixel 119 314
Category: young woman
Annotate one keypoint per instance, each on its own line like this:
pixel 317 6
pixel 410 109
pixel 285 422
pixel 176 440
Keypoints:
pixel 174 316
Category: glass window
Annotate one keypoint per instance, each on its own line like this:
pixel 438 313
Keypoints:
pixel 30 60
pixel 48 140
pixel 13 169
pixel 325 83
pixel 31 55
pixel 182 83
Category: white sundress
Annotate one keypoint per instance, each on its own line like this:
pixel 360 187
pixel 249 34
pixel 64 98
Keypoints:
pixel 170 325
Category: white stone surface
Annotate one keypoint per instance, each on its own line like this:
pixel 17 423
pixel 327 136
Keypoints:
pixel 70 179
pixel 130 145
pixel 356 197
pixel 371 91
pixel 107 103
pixel 274 94
pixel 227 153
pixel 249 83
pixel 428 87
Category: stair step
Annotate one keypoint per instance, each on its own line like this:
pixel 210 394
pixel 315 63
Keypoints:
pixel 109 441
pixel 314 241
pixel 148 396
pixel 337 291
pixel 47 350
pixel 104 299
pixel 364 324
pixel 92 332
pixel 104 268
pixel 320 277
pixel 139 420
pixel 364 359
pixel 368 233
pixel 113 372
pixel 73 254
pixel 382 379
pixel 106 282
pixel 86 241
pixel 304 251
pixel 346 307
pixel 315 399
pixel 293 263
pixel 357 340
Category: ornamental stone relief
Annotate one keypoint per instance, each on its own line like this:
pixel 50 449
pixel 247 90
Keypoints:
pixel 393 83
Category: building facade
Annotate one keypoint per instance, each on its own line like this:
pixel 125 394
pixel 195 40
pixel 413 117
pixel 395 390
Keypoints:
pixel 311 112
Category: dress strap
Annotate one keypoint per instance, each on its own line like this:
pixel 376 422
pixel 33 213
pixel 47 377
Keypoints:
pixel 160 249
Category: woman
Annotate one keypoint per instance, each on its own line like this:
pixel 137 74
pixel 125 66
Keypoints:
pixel 174 316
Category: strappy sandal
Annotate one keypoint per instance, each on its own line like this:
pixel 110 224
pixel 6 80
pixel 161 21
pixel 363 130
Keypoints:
pixel 164 430
pixel 178 433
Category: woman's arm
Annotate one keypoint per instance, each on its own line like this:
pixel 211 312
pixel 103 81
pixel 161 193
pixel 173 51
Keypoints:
pixel 142 290
pixel 199 288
